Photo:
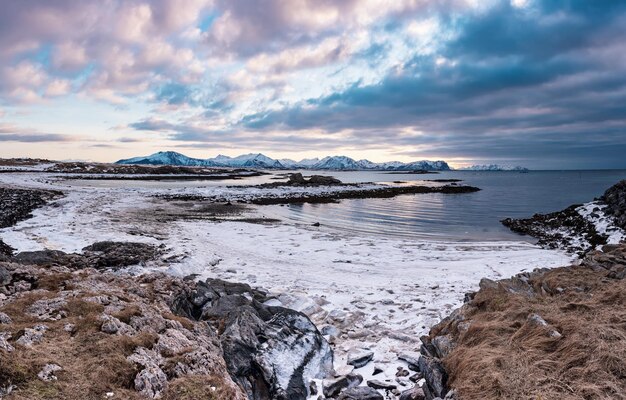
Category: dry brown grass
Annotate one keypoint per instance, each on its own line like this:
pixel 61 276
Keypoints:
pixel 127 313
pixel 93 362
pixel 185 322
pixel 200 387
pixel 504 356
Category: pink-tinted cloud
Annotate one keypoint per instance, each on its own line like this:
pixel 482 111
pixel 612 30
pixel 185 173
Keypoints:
pixel 115 48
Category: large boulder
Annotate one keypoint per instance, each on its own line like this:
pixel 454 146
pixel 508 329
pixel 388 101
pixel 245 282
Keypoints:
pixel 271 352
pixel 360 393
pixel 615 200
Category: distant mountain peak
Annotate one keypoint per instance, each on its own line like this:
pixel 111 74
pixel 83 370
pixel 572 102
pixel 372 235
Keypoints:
pixel 260 160
pixel 494 167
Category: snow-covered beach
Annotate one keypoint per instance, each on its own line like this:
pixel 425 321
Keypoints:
pixel 364 293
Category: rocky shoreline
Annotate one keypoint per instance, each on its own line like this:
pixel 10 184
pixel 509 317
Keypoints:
pixel 579 228
pixel 384 192
pixel 514 338
pixel 17 205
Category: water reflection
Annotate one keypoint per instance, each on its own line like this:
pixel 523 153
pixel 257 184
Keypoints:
pixel 472 216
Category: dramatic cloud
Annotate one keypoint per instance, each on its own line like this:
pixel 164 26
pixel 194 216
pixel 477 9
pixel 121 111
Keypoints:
pixel 540 82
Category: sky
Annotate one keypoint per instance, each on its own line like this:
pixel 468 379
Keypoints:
pixel 537 83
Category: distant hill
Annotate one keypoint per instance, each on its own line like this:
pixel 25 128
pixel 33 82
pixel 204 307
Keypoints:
pixel 494 167
pixel 259 160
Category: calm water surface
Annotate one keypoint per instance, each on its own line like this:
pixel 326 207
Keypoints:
pixel 472 216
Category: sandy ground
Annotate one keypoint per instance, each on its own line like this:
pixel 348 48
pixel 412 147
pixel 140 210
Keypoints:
pixel 379 294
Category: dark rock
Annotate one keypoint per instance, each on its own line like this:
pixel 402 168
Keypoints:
pixel 271 352
pixel 223 306
pixel 416 393
pixel 323 180
pixel 412 361
pixel 17 204
pixel 101 255
pixel 435 376
pixel 443 345
pixel 312 388
pixel 377 370
pixel 565 229
pixel 382 192
pixel 332 387
pixel 5 249
pixel 42 258
pixel 360 393
pixel 376 384
pixel 297 179
pixel 5 276
pixel 615 200
pixel 116 255
pixel 202 294
pixel 402 372
pixel 469 296
pixel 360 359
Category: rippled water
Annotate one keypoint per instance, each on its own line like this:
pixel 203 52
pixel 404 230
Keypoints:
pixel 472 216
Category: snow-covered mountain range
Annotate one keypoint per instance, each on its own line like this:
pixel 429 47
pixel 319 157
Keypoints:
pixel 494 167
pixel 262 161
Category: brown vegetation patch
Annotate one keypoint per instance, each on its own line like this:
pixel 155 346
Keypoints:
pixel 579 353
pixel 94 362
pixel 199 388
pixel 127 313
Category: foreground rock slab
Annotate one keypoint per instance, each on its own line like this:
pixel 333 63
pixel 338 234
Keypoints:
pixel 272 352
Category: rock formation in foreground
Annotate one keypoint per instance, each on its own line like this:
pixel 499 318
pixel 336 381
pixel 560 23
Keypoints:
pixel 71 328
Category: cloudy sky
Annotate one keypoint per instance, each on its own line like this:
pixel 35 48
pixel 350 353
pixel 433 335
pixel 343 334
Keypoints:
pixel 540 83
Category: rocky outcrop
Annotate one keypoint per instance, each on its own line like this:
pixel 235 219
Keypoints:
pixel 370 193
pixel 578 228
pixel 272 352
pixel 297 179
pixel 101 255
pixel 615 199
pixel 315 180
pixel 18 204
pixel 566 229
